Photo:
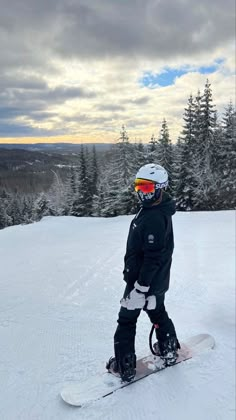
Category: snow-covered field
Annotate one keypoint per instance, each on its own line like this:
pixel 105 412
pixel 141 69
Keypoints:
pixel 60 286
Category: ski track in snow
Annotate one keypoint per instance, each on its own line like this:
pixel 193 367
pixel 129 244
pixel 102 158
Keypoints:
pixel 60 286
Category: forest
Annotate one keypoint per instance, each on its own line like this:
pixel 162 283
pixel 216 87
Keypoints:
pixel 91 183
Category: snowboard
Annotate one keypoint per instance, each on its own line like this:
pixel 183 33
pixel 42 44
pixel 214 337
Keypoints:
pixel 80 394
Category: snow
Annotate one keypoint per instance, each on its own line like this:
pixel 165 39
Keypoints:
pixel 60 286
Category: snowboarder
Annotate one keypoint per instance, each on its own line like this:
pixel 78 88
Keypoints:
pixel 146 272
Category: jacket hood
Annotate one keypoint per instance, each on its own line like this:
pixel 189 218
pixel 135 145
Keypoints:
pixel 167 205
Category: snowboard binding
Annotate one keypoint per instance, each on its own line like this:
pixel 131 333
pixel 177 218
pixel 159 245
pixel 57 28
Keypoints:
pixel 166 349
pixel 126 369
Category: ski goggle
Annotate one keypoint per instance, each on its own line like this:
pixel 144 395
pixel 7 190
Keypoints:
pixel 144 185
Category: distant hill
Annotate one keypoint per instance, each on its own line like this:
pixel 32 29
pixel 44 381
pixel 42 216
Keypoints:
pixel 55 147
pixel 27 170
pixel 31 168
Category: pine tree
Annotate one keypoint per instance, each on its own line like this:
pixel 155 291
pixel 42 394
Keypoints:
pixel 152 150
pixel 15 210
pixel 118 177
pixel 4 221
pixel 42 207
pixel 165 152
pixel 197 132
pixel 186 184
pixel 97 198
pixel 70 191
pixel 216 158
pixel 227 162
pixel 3 216
pixel 179 181
pixel 94 171
pixel 108 189
pixel 140 155
pixel 27 209
pixel 82 202
pixel 204 164
pixel 208 122
pixel 126 167
pixel 5 201
pixel 197 119
pixel 56 195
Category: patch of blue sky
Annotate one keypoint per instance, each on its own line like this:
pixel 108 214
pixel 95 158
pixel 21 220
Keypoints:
pixel 166 78
pixel 210 69
pixel 168 75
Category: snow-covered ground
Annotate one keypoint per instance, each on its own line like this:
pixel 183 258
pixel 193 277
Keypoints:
pixel 60 286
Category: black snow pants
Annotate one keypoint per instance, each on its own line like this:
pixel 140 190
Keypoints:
pixel 124 338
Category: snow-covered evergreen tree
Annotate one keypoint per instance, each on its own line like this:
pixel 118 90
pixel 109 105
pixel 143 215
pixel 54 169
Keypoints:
pixel 152 150
pixel 165 152
pixel 141 155
pixel 178 181
pixel 27 209
pixel 94 172
pixel 42 207
pixel 105 204
pixel 70 191
pixel 5 217
pixel 15 209
pixel 56 195
pixel 227 161
pixel 206 181
pixel 118 176
pixel 82 202
pixel 186 184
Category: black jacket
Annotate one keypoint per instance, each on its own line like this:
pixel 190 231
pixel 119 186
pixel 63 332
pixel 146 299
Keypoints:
pixel 150 246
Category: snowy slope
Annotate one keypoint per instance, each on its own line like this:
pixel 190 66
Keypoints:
pixel 60 285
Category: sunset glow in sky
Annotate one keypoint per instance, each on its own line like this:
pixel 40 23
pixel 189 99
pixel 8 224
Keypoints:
pixel 77 70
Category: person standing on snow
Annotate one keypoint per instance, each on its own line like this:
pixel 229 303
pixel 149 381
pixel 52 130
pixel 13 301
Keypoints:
pixel 148 259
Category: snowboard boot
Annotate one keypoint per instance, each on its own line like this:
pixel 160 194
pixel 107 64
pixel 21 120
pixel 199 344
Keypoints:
pixel 112 367
pixel 167 349
pixel 126 369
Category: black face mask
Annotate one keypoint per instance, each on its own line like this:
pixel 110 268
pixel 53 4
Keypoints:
pixel 147 199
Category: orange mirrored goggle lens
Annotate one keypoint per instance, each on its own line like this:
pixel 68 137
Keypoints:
pixel 144 185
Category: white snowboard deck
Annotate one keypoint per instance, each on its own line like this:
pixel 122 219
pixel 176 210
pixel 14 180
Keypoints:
pixel 82 393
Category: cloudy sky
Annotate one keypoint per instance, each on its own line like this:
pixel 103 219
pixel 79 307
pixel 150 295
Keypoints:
pixel 76 70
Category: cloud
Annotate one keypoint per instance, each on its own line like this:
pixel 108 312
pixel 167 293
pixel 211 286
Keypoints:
pixel 87 66
pixel 33 97
pixel 143 100
pixel 23 130
pixel 19 81
pixel 167 76
pixel 102 28
pixel 111 107
pixel 46 94
pixel 154 28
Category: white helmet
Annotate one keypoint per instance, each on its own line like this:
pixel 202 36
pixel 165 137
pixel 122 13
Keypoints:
pixel 155 173
pixel 158 176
